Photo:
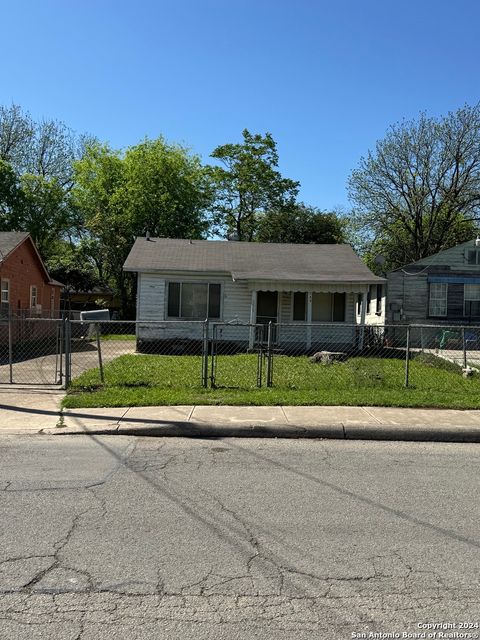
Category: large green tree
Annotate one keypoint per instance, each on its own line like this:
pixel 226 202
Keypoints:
pixel 73 264
pixel 248 185
pixel 36 174
pixel 10 195
pixel 45 148
pixel 153 187
pixel 300 224
pixel 418 192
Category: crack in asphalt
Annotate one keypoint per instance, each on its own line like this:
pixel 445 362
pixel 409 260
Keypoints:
pixel 269 592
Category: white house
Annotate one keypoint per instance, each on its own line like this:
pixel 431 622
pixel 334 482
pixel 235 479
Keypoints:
pixel 308 291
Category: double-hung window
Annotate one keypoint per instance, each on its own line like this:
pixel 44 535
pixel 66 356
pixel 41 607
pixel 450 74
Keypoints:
pixel 4 297
pixel 194 300
pixel 5 292
pixel 438 299
pixel 472 300
pixel 33 296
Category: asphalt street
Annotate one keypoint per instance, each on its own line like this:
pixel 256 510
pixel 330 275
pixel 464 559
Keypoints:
pixel 131 538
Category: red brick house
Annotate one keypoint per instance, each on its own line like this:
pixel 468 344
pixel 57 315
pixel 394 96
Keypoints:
pixel 26 289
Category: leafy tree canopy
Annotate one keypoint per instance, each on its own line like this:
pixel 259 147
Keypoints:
pixel 154 186
pixel 418 192
pixel 10 195
pixel 248 184
pixel 300 224
pixel 72 264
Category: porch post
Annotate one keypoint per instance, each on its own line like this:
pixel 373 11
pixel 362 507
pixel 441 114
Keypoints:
pixel 309 320
pixel 362 320
pixel 253 319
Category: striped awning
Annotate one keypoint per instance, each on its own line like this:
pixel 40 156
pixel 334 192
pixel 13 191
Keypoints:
pixel 455 279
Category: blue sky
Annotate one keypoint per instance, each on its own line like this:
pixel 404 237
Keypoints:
pixel 325 78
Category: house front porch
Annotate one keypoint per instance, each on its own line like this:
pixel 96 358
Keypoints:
pixel 306 315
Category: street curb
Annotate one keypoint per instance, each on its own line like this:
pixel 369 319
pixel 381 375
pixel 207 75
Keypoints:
pixel 337 431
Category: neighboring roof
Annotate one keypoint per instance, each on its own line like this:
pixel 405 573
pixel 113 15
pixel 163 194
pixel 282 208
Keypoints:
pixel 55 283
pixel 431 260
pixel 95 291
pixel 10 240
pixel 251 260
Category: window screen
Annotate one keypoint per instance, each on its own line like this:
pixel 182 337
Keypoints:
pixel 299 306
pixel 338 307
pixel 214 291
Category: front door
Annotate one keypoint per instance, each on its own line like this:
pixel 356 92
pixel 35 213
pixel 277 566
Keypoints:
pixel 267 311
pixel 267 307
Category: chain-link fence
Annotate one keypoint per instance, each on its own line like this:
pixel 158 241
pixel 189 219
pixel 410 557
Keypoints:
pixel 32 350
pixel 175 355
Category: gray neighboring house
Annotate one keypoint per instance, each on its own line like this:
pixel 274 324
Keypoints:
pixel 301 288
pixel 443 289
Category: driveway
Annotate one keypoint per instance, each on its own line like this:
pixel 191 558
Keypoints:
pixel 45 369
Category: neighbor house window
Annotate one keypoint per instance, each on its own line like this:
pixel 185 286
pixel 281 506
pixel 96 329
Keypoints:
pixel 472 300
pixel 33 296
pixel 193 300
pixel 438 299
pixel 473 256
pixel 5 292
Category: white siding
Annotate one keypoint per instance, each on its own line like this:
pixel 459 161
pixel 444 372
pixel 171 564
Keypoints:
pixel 236 301
pixel 285 315
pixel 150 297
pixel 152 305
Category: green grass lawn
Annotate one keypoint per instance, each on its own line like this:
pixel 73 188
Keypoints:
pixel 141 380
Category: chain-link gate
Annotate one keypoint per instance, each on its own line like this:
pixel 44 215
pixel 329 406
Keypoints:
pixel 241 355
pixel 32 351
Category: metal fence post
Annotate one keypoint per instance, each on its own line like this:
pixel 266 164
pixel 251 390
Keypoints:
pixel 260 365
pixel 99 350
pixel 59 353
pixel 10 348
pixel 68 346
pixel 213 370
pixel 407 358
pixel 269 356
pixel 205 355
pixel 464 344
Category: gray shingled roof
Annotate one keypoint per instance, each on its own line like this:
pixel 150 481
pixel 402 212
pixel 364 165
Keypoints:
pixel 9 240
pixel 251 260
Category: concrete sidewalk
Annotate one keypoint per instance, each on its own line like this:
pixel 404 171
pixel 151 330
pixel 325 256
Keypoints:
pixel 376 423
pixel 26 409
